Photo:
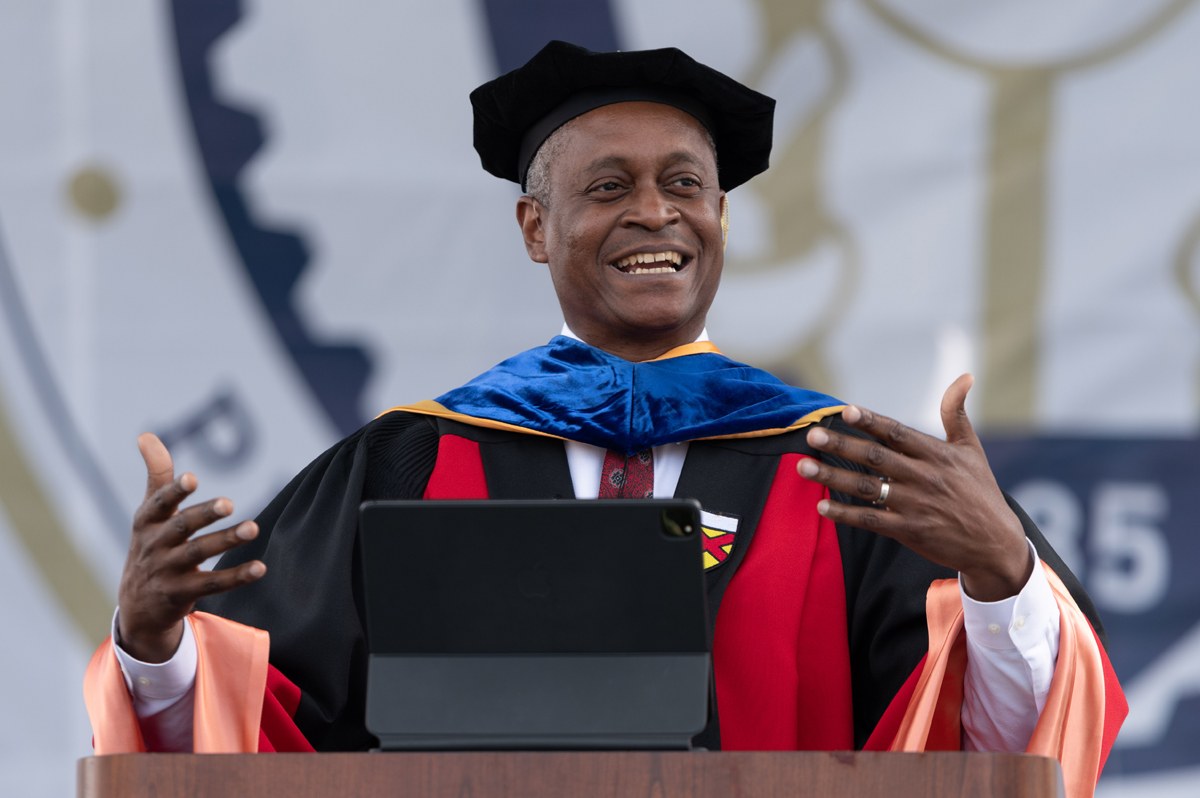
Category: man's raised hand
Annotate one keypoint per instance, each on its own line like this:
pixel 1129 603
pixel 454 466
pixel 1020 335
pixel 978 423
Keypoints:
pixel 162 579
pixel 942 499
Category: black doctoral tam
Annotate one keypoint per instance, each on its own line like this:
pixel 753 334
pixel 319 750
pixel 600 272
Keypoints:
pixel 517 112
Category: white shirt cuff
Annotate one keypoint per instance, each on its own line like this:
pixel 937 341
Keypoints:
pixel 156 686
pixel 1027 623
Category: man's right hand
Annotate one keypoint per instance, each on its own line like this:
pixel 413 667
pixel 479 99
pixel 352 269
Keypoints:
pixel 162 579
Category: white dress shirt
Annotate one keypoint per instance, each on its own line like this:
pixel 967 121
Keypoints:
pixel 162 693
pixel 1012 645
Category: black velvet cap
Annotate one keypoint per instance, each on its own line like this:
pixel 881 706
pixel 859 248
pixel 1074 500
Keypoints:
pixel 517 112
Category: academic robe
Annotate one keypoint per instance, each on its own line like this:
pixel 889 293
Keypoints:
pixel 821 632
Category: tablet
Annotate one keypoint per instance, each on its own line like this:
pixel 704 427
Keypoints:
pixel 535 624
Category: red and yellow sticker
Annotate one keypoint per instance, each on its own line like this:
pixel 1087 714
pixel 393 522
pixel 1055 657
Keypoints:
pixel 719 533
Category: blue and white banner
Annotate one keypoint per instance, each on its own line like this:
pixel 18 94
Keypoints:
pixel 251 225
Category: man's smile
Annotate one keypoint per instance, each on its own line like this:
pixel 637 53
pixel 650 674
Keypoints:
pixel 663 262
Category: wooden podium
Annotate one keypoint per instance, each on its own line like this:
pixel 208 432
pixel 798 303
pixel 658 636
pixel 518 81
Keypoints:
pixel 571 775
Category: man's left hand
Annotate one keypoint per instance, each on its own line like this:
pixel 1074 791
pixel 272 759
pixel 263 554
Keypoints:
pixel 942 500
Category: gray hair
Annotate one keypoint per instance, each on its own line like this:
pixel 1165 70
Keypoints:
pixel 537 179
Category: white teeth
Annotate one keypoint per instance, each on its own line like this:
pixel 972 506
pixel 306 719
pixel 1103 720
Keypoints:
pixel 651 257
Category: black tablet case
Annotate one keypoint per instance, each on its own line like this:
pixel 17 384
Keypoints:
pixel 535 624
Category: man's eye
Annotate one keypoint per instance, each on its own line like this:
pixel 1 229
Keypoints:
pixel 687 182
pixel 609 186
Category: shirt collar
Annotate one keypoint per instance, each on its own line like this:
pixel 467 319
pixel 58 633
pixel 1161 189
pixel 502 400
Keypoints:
pixel 566 331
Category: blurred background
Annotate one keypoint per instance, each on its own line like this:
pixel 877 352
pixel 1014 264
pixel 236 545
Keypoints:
pixel 251 226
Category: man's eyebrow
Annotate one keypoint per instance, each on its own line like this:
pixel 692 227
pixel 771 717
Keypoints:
pixel 683 156
pixel 608 162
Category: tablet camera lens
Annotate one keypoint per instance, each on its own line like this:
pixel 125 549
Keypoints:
pixel 676 524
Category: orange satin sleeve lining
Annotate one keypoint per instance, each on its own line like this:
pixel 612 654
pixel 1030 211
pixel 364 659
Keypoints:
pixel 115 728
pixel 943 611
pixel 231 675
pixel 1071 724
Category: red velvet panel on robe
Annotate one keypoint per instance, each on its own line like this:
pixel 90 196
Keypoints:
pixel 277 730
pixel 780 651
pixel 458 472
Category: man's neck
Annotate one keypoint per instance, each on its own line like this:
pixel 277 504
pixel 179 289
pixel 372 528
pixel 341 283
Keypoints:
pixel 636 351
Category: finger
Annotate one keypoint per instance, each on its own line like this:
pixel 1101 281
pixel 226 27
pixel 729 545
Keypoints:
pixel 876 519
pixel 199 549
pixel 954 411
pixel 163 503
pixel 197 585
pixel 182 525
pixel 890 431
pixel 160 470
pixel 871 454
pixel 853 483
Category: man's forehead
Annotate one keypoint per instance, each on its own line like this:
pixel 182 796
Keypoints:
pixel 655 117
pixel 622 134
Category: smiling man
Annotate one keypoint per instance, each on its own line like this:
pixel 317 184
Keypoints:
pixel 863 595
pixel 632 235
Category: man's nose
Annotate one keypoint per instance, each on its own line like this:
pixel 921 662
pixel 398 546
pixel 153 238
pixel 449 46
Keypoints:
pixel 650 208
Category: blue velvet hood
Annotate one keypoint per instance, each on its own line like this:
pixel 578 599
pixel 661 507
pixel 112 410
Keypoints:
pixel 568 389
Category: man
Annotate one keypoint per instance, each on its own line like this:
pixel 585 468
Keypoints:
pixel 829 556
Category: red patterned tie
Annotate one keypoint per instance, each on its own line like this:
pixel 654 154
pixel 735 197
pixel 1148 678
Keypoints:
pixel 629 477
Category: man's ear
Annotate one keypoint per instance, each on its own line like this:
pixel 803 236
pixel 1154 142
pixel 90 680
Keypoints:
pixel 530 216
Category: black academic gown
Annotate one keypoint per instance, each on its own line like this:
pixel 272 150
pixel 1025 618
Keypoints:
pixel 311 601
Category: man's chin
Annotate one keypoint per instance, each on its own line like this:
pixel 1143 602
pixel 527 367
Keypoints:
pixel 666 324
pixel 658 302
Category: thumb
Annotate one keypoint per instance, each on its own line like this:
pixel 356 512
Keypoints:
pixel 159 468
pixel 954 411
